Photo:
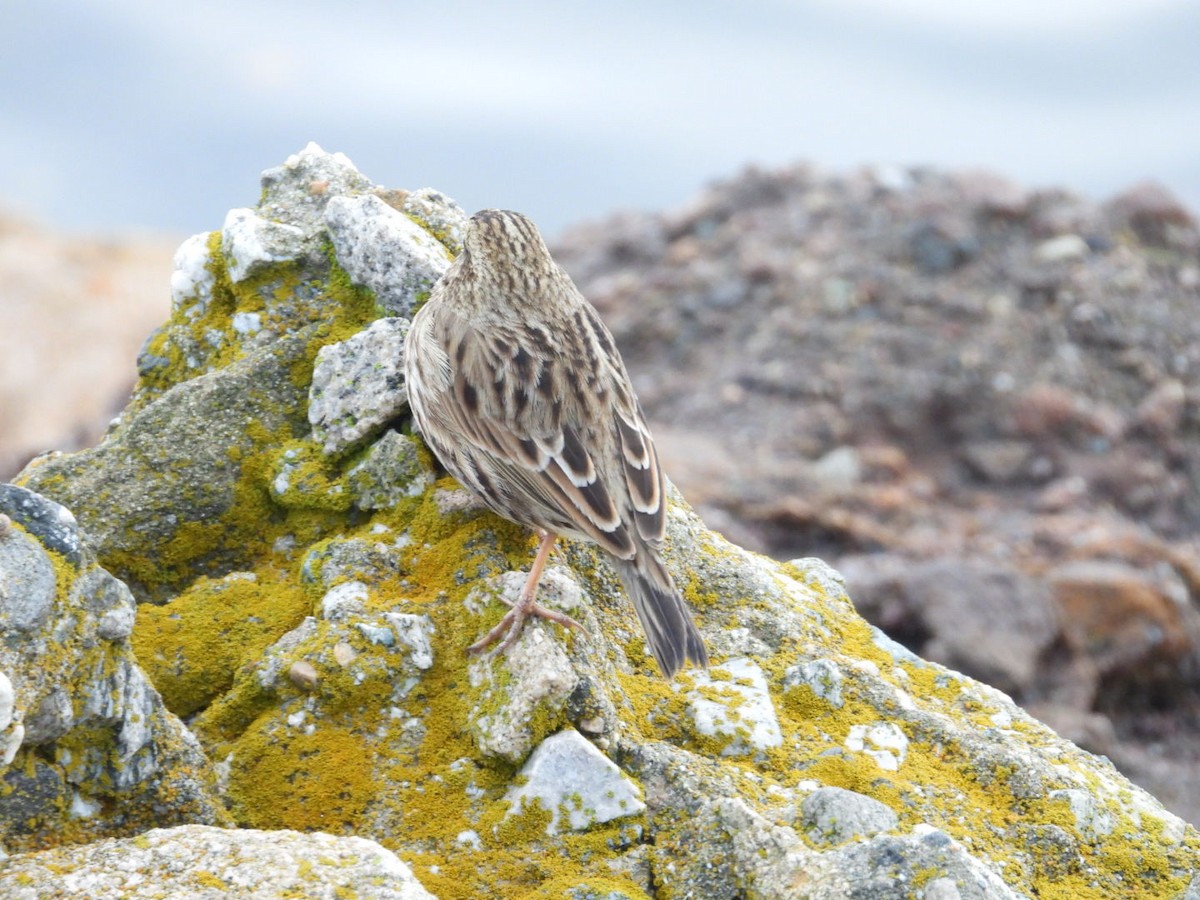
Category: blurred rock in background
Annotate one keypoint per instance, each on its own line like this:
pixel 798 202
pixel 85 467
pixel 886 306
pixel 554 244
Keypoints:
pixel 73 312
pixel 948 386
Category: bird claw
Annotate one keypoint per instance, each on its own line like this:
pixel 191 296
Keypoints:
pixel 513 623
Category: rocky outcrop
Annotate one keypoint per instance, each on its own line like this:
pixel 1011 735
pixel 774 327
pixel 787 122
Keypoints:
pixel 86 746
pixel 308 584
pixel 203 863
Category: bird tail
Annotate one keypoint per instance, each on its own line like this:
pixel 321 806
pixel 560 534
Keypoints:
pixel 670 631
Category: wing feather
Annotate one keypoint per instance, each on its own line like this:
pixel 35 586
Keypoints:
pixel 507 400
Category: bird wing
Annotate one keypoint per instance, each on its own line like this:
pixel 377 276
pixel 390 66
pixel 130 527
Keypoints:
pixel 556 433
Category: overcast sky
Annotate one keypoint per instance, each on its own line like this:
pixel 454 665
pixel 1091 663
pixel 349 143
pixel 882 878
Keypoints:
pixel 129 114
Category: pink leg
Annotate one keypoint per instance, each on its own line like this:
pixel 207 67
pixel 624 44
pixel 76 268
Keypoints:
pixel 526 605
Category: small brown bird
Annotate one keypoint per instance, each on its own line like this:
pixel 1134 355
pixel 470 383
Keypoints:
pixel 518 388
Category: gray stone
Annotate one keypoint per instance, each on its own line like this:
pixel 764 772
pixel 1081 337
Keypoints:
pixel 579 786
pixel 349 559
pixel 27 583
pixel 203 862
pixel 832 816
pixel 172 461
pixel 358 385
pixel 884 868
pixel 297 192
pixel 391 470
pixel 505 712
pixel 109 600
pixel 50 522
pixel 384 250
pixel 443 217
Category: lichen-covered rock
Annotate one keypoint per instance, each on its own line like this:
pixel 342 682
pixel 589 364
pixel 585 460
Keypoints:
pixel 315 623
pixel 204 863
pixel 86 746
pixel 386 251
pixel 834 815
pixel 358 385
pixel 575 783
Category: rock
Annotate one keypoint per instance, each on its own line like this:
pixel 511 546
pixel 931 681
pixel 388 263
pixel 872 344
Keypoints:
pixel 1161 411
pixel 942 246
pixel 736 709
pixel 509 716
pixel 1000 462
pixel 358 385
pixel 1064 248
pixel 440 215
pixel 52 524
pixel 204 862
pixel 145 526
pixel 989 620
pixel 834 816
pixel 390 471
pixel 575 783
pixel 393 731
pixel 252 244
pixel 384 250
pixel 1124 622
pixel 1153 212
pixel 87 748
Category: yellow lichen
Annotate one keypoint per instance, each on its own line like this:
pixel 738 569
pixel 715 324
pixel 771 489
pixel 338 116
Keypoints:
pixel 192 646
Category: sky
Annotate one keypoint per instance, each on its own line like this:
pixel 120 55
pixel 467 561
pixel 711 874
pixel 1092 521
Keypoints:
pixel 128 115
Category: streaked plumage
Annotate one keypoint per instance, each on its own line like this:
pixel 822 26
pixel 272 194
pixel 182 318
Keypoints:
pixel 519 389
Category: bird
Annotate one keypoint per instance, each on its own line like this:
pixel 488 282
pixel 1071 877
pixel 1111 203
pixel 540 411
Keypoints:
pixel 518 388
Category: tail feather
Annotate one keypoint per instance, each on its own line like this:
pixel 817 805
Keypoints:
pixel 670 631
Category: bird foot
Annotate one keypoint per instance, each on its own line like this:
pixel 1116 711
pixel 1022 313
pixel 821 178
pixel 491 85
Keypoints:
pixel 513 623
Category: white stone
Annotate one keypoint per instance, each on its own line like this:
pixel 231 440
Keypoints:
pixel 191 280
pixel 1064 248
pixel 576 783
pixel 470 839
pixel 246 322
pixel 12 733
pixel 344 600
pixel 883 742
pixel 743 712
pixel 82 807
pixel 313 153
pixel 250 243
pixel 415 633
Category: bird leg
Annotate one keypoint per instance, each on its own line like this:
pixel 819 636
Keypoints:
pixel 514 620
